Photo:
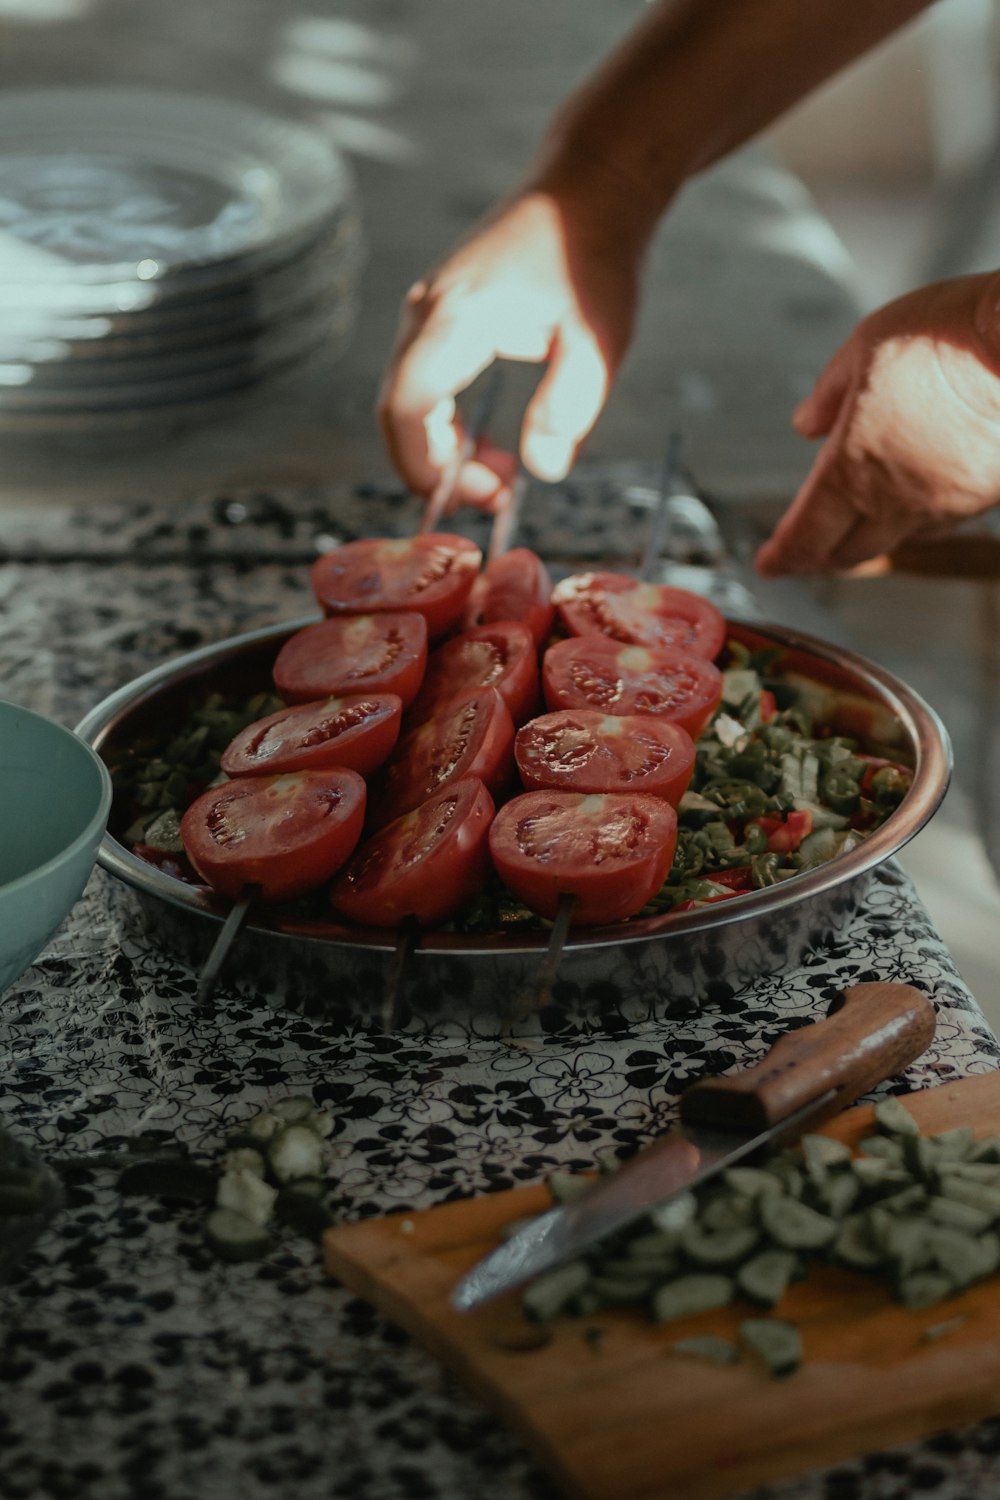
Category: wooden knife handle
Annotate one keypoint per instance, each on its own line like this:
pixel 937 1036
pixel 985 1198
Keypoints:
pixel 873 1033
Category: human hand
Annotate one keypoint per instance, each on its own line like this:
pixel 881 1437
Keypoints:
pixel 549 277
pixel 910 409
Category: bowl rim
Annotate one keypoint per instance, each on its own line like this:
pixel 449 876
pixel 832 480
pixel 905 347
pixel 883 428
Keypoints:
pixel 96 824
pixel 932 775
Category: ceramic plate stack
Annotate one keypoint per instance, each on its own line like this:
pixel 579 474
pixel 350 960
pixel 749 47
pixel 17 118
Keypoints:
pixel 159 252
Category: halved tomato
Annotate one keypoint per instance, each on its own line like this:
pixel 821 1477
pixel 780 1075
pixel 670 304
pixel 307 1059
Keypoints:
pixel 514 586
pixel 501 656
pixel 427 864
pixel 384 653
pixel 640 614
pixel 284 834
pixel 612 852
pixel 432 574
pixel 593 671
pixel 470 736
pixel 583 750
pixel 357 732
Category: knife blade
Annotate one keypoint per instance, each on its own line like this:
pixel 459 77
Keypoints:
pixel 809 1075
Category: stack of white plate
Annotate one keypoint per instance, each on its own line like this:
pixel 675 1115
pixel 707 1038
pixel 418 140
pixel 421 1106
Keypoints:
pixel 161 251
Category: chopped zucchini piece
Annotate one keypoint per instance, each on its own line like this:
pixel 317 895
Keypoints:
pixel 752 1181
pixel 855 1245
pixel 821 1152
pixel 765 1278
pixel 234 1237
pixel 884 1146
pixel 720 1247
pixel 777 1342
pixel 924 1288
pixel 247 1194
pixel 975 1194
pixel 296 1151
pixel 566 1187
pixel 893 1118
pixel 672 1216
pixel 691 1294
pixel 956 1215
pixel 795 1225
pixel 245 1159
pixel 549 1293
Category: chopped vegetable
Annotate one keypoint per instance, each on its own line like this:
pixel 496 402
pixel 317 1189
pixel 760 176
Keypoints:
pixel 920 1212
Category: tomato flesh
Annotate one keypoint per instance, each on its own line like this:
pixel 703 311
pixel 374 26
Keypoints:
pixel 596 672
pixel 470 736
pixel 583 750
pixel 432 574
pixel 427 864
pixel 514 586
pixel 611 853
pixel 355 731
pixel 284 834
pixel 384 653
pixel 640 614
pixel 501 656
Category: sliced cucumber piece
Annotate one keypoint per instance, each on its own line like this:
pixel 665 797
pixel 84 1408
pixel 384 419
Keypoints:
pixel 295 1151
pixel 720 1247
pixel 234 1237
pixel 795 1225
pixel 777 1342
pixel 247 1194
pixel 567 1187
pixel 765 1278
pixel 893 1118
pixel 691 1294
pixel 549 1293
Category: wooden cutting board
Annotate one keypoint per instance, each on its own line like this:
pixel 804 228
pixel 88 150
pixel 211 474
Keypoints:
pixel 619 1416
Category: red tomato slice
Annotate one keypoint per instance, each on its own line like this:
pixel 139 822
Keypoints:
pixel 514 586
pixel 384 653
pixel 470 736
pixel 357 732
pixel 427 864
pixel 432 574
pixel 285 834
pixel 639 614
pixel 611 852
pixel 785 834
pixel 583 750
pixel 593 671
pixel 501 656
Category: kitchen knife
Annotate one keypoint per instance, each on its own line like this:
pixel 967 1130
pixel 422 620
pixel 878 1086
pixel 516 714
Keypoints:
pixel 808 1076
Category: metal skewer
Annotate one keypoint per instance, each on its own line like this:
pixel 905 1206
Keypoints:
pixel 228 934
pixel 505 517
pixel 444 493
pixel 536 997
pixel 658 529
pixel 407 938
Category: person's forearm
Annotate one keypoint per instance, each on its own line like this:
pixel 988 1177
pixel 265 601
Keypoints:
pixel 697 78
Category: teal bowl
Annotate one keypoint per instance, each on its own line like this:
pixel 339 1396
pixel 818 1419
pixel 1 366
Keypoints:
pixel 55 796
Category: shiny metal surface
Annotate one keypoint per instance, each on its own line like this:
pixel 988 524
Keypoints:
pixel 641 965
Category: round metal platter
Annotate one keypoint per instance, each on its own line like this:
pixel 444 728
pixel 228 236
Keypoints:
pixel 99 186
pixel 642 967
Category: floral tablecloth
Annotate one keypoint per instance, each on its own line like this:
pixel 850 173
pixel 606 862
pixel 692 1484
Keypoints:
pixel 131 1361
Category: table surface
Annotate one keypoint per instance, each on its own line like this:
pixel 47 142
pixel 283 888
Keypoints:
pixel 132 1361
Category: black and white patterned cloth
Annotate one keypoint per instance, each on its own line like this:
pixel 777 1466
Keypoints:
pixel 133 1363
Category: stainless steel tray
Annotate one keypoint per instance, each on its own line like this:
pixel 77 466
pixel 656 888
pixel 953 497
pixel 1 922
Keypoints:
pixel 643 967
